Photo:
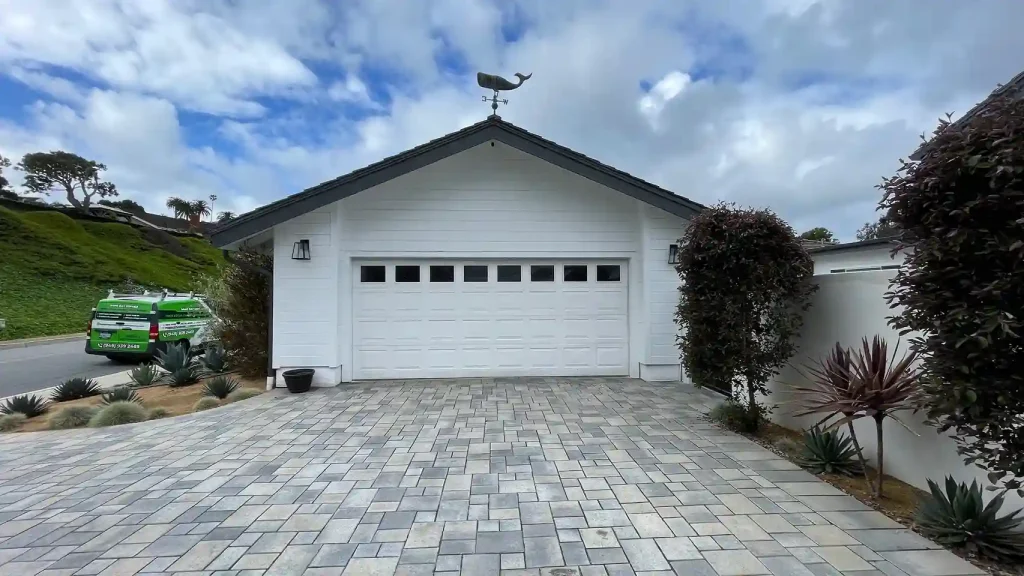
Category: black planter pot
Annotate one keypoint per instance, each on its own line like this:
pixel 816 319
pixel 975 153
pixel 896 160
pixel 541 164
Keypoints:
pixel 298 380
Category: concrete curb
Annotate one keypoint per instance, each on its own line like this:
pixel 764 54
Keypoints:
pixel 29 342
pixel 105 382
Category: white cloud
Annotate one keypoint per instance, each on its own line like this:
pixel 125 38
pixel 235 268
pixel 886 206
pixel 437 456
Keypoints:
pixel 198 60
pixel 670 86
pixel 799 105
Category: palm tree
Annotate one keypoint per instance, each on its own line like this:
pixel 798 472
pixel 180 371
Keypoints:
pixel 225 217
pixel 180 207
pixel 199 208
pixel 196 210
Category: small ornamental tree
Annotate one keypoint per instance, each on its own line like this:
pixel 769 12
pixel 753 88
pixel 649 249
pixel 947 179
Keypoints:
pixel 746 284
pixel 241 299
pixel 961 289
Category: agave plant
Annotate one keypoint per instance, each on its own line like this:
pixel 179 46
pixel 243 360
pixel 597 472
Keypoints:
pixel 959 518
pixel 144 375
pixel 184 376
pixel 214 360
pixel 75 389
pixel 121 394
pixel 829 452
pixel 173 357
pixel 220 387
pixel 878 386
pixel 28 404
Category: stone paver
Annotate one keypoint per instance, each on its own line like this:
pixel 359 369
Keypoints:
pixel 531 476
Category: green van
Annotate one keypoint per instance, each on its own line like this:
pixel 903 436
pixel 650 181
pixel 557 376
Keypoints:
pixel 133 327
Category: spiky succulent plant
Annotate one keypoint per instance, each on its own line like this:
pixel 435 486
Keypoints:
pixel 958 517
pixel 75 389
pixel 829 452
pixel 28 404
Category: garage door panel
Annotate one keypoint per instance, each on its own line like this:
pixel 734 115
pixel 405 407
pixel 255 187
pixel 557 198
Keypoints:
pixel 578 356
pixel 451 329
pixel 611 355
pixel 541 357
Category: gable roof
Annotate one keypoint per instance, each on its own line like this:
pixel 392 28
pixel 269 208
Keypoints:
pixel 1015 88
pixel 493 128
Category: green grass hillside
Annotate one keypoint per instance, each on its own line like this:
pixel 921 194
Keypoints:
pixel 53 269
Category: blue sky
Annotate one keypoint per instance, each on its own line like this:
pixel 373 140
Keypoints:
pixel 798 105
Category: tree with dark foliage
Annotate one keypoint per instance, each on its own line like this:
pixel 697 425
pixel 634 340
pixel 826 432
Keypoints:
pixel 242 306
pixel 746 283
pixel 60 171
pixel 884 228
pixel 126 205
pixel 961 289
pixel 820 234
pixel 5 188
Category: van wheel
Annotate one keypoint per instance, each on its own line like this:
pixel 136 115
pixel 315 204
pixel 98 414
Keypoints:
pixel 185 346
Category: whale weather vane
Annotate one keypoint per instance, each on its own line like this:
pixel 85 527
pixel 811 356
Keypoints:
pixel 498 84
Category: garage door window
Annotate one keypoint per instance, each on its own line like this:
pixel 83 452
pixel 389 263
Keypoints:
pixel 442 273
pixel 608 273
pixel 474 274
pixel 372 274
pixel 407 273
pixel 574 273
pixel 542 273
pixel 510 273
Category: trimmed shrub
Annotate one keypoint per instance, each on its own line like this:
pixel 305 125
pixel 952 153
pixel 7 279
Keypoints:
pixel 144 375
pixel 75 389
pixel 737 417
pixel 118 413
pixel 959 518
pixel 121 394
pixel 71 417
pixel 961 286
pixel 157 413
pixel 205 403
pixel 11 422
pixel 220 386
pixel 28 404
pixel 746 283
pixel 242 394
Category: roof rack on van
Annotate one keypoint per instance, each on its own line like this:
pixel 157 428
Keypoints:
pixel 112 294
pixel 169 294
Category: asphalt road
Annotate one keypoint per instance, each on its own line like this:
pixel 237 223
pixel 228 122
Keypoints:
pixel 35 367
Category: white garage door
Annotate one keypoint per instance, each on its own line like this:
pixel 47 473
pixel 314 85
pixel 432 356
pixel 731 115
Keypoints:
pixel 437 319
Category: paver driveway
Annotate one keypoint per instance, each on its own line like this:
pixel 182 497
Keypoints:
pixel 546 476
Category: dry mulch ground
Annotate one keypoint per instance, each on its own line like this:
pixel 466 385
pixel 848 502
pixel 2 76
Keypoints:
pixel 177 401
pixel 899 500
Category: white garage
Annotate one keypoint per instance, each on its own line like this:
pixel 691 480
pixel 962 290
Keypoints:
pixel 489 252
pixel 436 319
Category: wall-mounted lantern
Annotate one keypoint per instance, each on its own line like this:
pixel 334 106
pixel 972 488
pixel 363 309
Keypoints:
pixel 300 250
pixel 673 254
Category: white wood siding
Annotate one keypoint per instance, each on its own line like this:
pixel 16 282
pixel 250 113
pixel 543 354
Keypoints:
pixel 487 203
pixel 661 289
pixel 305 296
pixel 825 262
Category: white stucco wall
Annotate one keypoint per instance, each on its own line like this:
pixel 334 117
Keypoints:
pixel 846 308
pixel 487 202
